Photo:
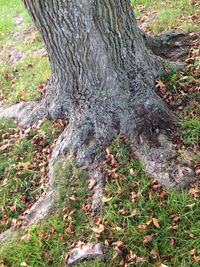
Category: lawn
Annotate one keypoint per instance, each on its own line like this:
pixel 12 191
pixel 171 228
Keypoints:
pixel 141 223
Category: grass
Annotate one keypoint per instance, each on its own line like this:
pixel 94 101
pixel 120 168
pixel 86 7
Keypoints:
pixel 8 10
pixel 143 224
pixel 22 165
pixel 169 14
pixel 135 208
pixel 190 130
pixel 20 80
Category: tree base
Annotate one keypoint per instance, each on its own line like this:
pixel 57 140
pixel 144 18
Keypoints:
pixel 26 113
pixel 171 44
pixel 162 163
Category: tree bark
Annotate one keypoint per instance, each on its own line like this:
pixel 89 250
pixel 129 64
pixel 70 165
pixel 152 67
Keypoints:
pixel 102 80
pixel 100 67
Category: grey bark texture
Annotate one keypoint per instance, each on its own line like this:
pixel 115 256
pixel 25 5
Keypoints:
pixel 102 80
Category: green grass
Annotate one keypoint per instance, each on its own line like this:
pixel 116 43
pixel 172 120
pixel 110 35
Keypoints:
pixel 169 14
pixel 22 165
pixel 125 219
pixel 9 9
pixel 132 203
pixel 190 130
pixel 20 81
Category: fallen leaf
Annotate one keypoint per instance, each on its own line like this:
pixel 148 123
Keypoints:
pixel 106 199
pixel 26 237
pixel 154 253
pixel 132 171
pixel 148 239
pixel 192 252
pixel 155 222
pixel 97 221
pixel 73 198
pixel 161 86
pixel 197 258
pixel 140 259
pixel 135 212
pixel 134 196
pixel 98 229
pixel 142 227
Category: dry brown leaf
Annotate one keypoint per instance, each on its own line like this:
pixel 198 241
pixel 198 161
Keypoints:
pixel 135 212
pixel 194 192
pixel 156 222
pixel 197 258
pixel 97 221
pixel 132 171
pixel 154 253
pixel 134 196
pixel 73 198
pixel 140 259
pixel 161 86
pixel 148 239
pixel 192 252
pixel 142 227
pixel 26 237
pixel 98 229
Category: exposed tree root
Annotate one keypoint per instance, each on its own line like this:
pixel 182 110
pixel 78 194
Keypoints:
pixel 98 190
pixel 172 44
pixel 85 142
pixel 64 152
pixel 26 113
pixel 161 162
pixel 41 209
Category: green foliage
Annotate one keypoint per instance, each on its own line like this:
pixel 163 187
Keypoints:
pixel 190 130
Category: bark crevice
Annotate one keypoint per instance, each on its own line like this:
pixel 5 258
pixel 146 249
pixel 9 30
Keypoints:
pixel 25 113
pixel 102 77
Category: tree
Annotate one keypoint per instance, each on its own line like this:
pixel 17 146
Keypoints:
pixel 103 70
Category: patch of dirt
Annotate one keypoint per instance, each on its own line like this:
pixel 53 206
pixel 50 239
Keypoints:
pixel 18 20
pixel 11 55
pixel 39 53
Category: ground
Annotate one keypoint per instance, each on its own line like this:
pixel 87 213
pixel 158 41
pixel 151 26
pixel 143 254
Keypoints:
pixel 141 223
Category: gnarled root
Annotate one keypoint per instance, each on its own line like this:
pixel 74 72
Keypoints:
pixel 171 44
pixel 76 143
pixel 161 162
pixel 26 113
pixel 82 143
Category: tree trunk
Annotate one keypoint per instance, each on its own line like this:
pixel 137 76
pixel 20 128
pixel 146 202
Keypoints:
pixel 102 75
pixel 102 80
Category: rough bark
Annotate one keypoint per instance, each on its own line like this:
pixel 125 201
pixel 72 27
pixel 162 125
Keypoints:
pixel 102 79
pixel 171 44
